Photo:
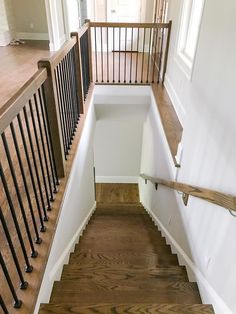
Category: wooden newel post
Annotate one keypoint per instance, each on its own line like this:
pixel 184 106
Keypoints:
pixel 167 51
pixel 90 51
pixel 52 108
pixel 79 80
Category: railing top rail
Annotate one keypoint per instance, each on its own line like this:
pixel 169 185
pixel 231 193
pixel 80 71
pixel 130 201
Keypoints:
pixel 56 58
pixel 83 29
pixel 129 25
pixel 225 200
pixel 15 104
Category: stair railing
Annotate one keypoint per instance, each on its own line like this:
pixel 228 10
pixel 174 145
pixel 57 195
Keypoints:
pixel 37 127
pixel 225 200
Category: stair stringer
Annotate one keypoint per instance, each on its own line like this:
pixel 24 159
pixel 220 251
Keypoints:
pixel 193 272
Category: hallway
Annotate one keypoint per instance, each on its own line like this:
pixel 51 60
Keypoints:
pixel 123 265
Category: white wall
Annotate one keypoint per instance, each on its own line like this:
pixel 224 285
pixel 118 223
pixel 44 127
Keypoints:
pixel 77 206
pixel 6 22
pixel 120 113
pixel 206 106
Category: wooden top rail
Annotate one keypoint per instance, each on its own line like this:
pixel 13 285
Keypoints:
pixel 129 25
pixel 83 29
pixel 60 54
pixel 225 200
pixel 15 104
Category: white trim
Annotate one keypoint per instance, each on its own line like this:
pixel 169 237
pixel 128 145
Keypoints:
pixel 32 36
pixel 5 38
pixel 219 305
pixel 62 39
pixel 178 106
pixel 117 179
pixel 56 271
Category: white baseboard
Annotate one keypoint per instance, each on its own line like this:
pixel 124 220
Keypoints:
pixel 117 179
pixel 55 273
pixel 179 108
pixel 218 303
pixel 32 36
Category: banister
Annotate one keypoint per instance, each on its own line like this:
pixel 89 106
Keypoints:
pixel 225 200
pixel 130 25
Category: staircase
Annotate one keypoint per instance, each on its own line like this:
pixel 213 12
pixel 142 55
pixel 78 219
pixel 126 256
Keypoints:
pixel 123 265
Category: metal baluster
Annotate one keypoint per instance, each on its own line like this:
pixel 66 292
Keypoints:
pixel 113 74
pixel 35 163
pixel 131 59
pixel 101 53
pixel 144 38
pixel 48 141
pixel 39 154
pixel 75 80
pixel 119 54
pixel 43 146
pixel 23 283
pixel 17 303
pixel 160 57
pixel 136 70
pixel 42 228
pixel 125 55
pixel 96 53
pixel 38 240
pixel 61 85
pixel 73 88
pixel 107 57
pixel 3 305
pixel 72 115
pixel 149 54
pixel 28 268
pixel 154 58
pixel 18 194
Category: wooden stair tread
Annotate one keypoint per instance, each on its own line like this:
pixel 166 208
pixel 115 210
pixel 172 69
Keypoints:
pixel 131 296
pixel 126 308
pixel 149 259
pixel 127 284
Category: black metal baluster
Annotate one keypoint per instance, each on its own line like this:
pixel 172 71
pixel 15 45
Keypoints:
pixel 18 194
pixel 39 155
pixel 28 268
pixel 149 54
pixel 119 54
pixel 17 302
pixel 101 53
pixel 23 283
pixel 70 97
pixel 113 74
pixel 125 55
pixel 60 107
pixel 48 141
pixel 160 57
pixel 61 85
pixel 144 38
pixel 43 147
pixel 38 240
pixel 73 88
pixel 96 53
pixel 76 86
pixel 131 58
pixel 136 70
pixel 3 305
pixel 42 228
pixel 154 58
pixel 107 57
pixel 35 163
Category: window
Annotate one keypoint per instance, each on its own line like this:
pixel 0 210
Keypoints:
pixel 188 34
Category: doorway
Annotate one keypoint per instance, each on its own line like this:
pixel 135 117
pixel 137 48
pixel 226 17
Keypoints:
pixel 127 11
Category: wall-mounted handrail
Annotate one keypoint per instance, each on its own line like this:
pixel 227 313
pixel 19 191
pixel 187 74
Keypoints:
pixel 225 200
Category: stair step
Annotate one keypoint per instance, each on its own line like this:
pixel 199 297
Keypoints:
pixel 126 308
pixel 115 296
pixel 129 258
pixel 104 272
pixel 119 209
pixel 125 285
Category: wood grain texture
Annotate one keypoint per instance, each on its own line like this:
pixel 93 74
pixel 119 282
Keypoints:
pixel 225 200
pixel 127 308
pixel 117 193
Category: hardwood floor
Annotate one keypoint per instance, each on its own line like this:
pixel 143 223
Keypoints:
pixel 123 265
pixel 18 64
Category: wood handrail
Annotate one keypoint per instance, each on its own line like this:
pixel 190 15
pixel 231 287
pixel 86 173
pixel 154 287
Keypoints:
pixel 225 200
pixel 83 29
pixel 15 104
pixel 129 25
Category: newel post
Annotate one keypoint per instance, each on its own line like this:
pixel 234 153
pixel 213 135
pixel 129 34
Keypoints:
pixel 167 51
pixel 79 80
pixel 52 107
pixel 90 51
